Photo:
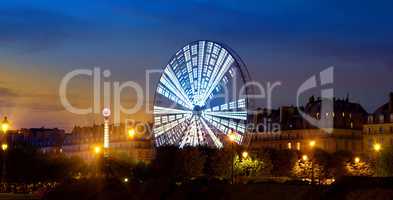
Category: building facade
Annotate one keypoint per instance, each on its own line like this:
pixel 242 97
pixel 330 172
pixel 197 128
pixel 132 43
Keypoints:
pixel 379 126
pixel 82 141
pixel 296 133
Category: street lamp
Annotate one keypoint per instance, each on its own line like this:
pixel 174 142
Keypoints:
pixel 5 125
pixel 245 154
pixel 4 147
pixel 377 147
pixel 97 150
pixel 231 136
pixel 131 133
pixel 305 157
pixel 357 160
pixel 312 143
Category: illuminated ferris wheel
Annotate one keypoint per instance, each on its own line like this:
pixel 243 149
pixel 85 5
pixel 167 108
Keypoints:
pixel 201 97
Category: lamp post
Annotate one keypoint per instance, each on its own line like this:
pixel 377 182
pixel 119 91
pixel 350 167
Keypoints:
pixel 131 133
pixel 231 136
pixel 357 160
pixel 312 145
pixel 4 127
pixel 4 147
pixel 377 147
pixel 245 154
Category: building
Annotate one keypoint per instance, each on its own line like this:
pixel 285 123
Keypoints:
pixel 345 115
pixel 296 133
pixel 82 141
pixel 48 140
pixel 379 126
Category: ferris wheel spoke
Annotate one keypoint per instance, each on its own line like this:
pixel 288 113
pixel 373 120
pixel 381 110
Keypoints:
pixel 163 110
pixel 165 126
pixel 227 126
pixel 201 56
pixel 188 62
pixel 193 136
pixel 216 78
pixel 177 85
pixel 214 138
pixel 240 115
pixel 174 89
pixel 173 136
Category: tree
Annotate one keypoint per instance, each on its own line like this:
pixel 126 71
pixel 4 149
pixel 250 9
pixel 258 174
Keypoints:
pixel 283 161
pixel 190 163
pixel 307 169
pixel 219 163
pixel 266 160
pixel 359 168
pixel 337 163
pixel 247 167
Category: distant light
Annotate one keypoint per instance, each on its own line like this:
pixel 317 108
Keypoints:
pixel 245 154
pixel 4 147
pixel 231 136
pixel 97 149
pixel 5 125
pixel 377 147
pixel 125 180
pixel 106 112
pixel 357 159
pixel 312 143
pixel 305 157
pixel 131 133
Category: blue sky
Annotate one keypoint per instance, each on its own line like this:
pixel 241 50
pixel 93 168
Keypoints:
pixel 282 40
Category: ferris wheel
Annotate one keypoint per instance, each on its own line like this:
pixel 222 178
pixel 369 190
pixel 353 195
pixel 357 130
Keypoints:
pixel 201 97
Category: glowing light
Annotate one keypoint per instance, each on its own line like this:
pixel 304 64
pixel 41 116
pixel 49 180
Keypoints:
pixel 312 143
pixel 305 157
pixel 125 180
pixel 377 147
pixel 97 150
pixel 232 136
pixel 4 128
pixel 4 147
pixel 357 159
pixel 106 113
pixel 5 125
pixel 245 154
pixel 131 133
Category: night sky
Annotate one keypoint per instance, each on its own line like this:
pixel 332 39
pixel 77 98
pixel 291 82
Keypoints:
pixel 282 40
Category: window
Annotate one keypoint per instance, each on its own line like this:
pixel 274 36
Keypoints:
pixel 298 146
pixel 381 119
pixel 370 119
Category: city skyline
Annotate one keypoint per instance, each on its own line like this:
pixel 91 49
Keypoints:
pixel 282 41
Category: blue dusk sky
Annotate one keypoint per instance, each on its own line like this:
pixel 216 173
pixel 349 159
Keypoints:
pixel 281 40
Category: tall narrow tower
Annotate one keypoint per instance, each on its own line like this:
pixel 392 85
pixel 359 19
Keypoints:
pixel 106 113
